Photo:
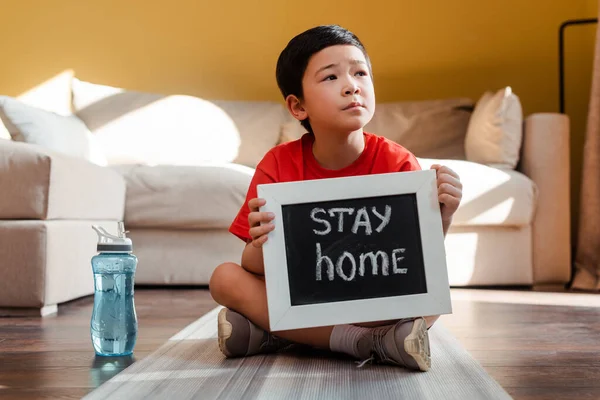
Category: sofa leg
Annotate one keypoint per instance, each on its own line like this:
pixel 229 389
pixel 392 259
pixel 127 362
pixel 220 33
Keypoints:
pixel 28 312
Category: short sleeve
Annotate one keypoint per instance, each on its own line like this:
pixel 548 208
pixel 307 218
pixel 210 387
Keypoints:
pixel 392 157
pixel 410 163
pixel 265 173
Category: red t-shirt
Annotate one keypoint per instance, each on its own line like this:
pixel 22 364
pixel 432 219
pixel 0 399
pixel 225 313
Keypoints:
pixel 294 161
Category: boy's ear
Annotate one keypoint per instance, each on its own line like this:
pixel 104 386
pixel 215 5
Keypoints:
pixel 294 106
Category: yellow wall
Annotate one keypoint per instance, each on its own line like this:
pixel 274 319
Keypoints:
pixel 228 49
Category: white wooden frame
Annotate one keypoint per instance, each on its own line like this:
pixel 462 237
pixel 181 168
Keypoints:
pixel 282 315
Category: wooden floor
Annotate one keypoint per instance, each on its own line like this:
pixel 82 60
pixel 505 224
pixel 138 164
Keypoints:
pixel 536 345
pixel 53 357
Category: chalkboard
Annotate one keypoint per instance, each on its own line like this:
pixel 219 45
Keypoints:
pixel 353 249
pixel 356 249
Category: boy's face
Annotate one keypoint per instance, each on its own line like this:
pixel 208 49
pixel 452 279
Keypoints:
pixel 338 91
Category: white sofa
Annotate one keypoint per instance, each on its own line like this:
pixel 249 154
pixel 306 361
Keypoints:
pixel 512 227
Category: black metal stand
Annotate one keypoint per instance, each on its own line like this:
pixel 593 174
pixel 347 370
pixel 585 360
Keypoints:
pixel 561 61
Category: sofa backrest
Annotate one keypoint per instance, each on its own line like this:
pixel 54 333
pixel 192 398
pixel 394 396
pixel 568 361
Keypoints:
pixel 136 127
pixel 429 129
pixel 259 125
pixel 185 129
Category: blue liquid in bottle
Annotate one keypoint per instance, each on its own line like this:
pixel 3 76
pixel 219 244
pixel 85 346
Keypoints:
pixel 114 324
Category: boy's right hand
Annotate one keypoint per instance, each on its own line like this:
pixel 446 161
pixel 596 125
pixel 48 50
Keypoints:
pixel 258 232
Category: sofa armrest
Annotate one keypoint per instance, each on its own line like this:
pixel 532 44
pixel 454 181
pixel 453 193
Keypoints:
pixel 545 159
pixel 36 183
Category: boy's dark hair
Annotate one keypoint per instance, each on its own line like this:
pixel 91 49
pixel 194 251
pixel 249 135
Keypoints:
pixel 293 60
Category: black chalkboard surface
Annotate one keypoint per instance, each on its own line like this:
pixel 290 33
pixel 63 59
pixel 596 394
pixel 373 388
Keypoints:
pixel 352 249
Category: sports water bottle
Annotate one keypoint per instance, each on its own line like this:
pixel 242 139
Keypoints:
pixel 114 323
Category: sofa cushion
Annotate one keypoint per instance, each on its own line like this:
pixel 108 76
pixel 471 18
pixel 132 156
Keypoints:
pixel 63 133
pixel 209 196
pixel 153 129
pixel 184 197
pixel 491 196
pixel 37 183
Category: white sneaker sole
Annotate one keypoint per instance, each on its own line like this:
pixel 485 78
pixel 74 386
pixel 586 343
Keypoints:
pixel 224 330
pixel 416 344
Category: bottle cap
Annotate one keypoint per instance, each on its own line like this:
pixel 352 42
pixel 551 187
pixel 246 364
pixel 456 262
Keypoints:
pixel 111 243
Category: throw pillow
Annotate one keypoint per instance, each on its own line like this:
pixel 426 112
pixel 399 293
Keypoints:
pixel 60 133
pixel 495 130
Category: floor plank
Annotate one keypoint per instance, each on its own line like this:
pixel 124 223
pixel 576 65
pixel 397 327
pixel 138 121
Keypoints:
pixel 534 347
pixel 554 393
pixel 44 394
pixel 546 377
pixel 536 358
pixel 56 359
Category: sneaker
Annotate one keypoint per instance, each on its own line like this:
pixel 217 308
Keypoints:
pixel 405 344
pixel 238 337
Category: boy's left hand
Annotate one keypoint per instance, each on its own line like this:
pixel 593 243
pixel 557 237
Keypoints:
pixel 449 192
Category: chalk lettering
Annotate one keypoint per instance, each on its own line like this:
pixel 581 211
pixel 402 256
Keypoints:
pixel 396 259
pixel 362 219
pixel 374 264
pixel 319 220
pixel 340 211
pixel 320 259
pixel 379 261
pixel 385 219
pixel 340 263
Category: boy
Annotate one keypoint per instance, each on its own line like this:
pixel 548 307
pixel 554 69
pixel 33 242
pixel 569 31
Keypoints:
pixel 324 75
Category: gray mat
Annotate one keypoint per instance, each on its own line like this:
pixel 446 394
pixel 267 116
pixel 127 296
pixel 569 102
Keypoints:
pixel 190 366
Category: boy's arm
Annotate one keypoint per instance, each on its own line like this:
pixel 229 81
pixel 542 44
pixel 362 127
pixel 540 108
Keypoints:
pixel 449 193
pixel 249 218
pixel 260 225
pixel 252 259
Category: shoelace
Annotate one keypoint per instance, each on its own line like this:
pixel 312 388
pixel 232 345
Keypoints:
pixel 378 351
pixel 363 362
